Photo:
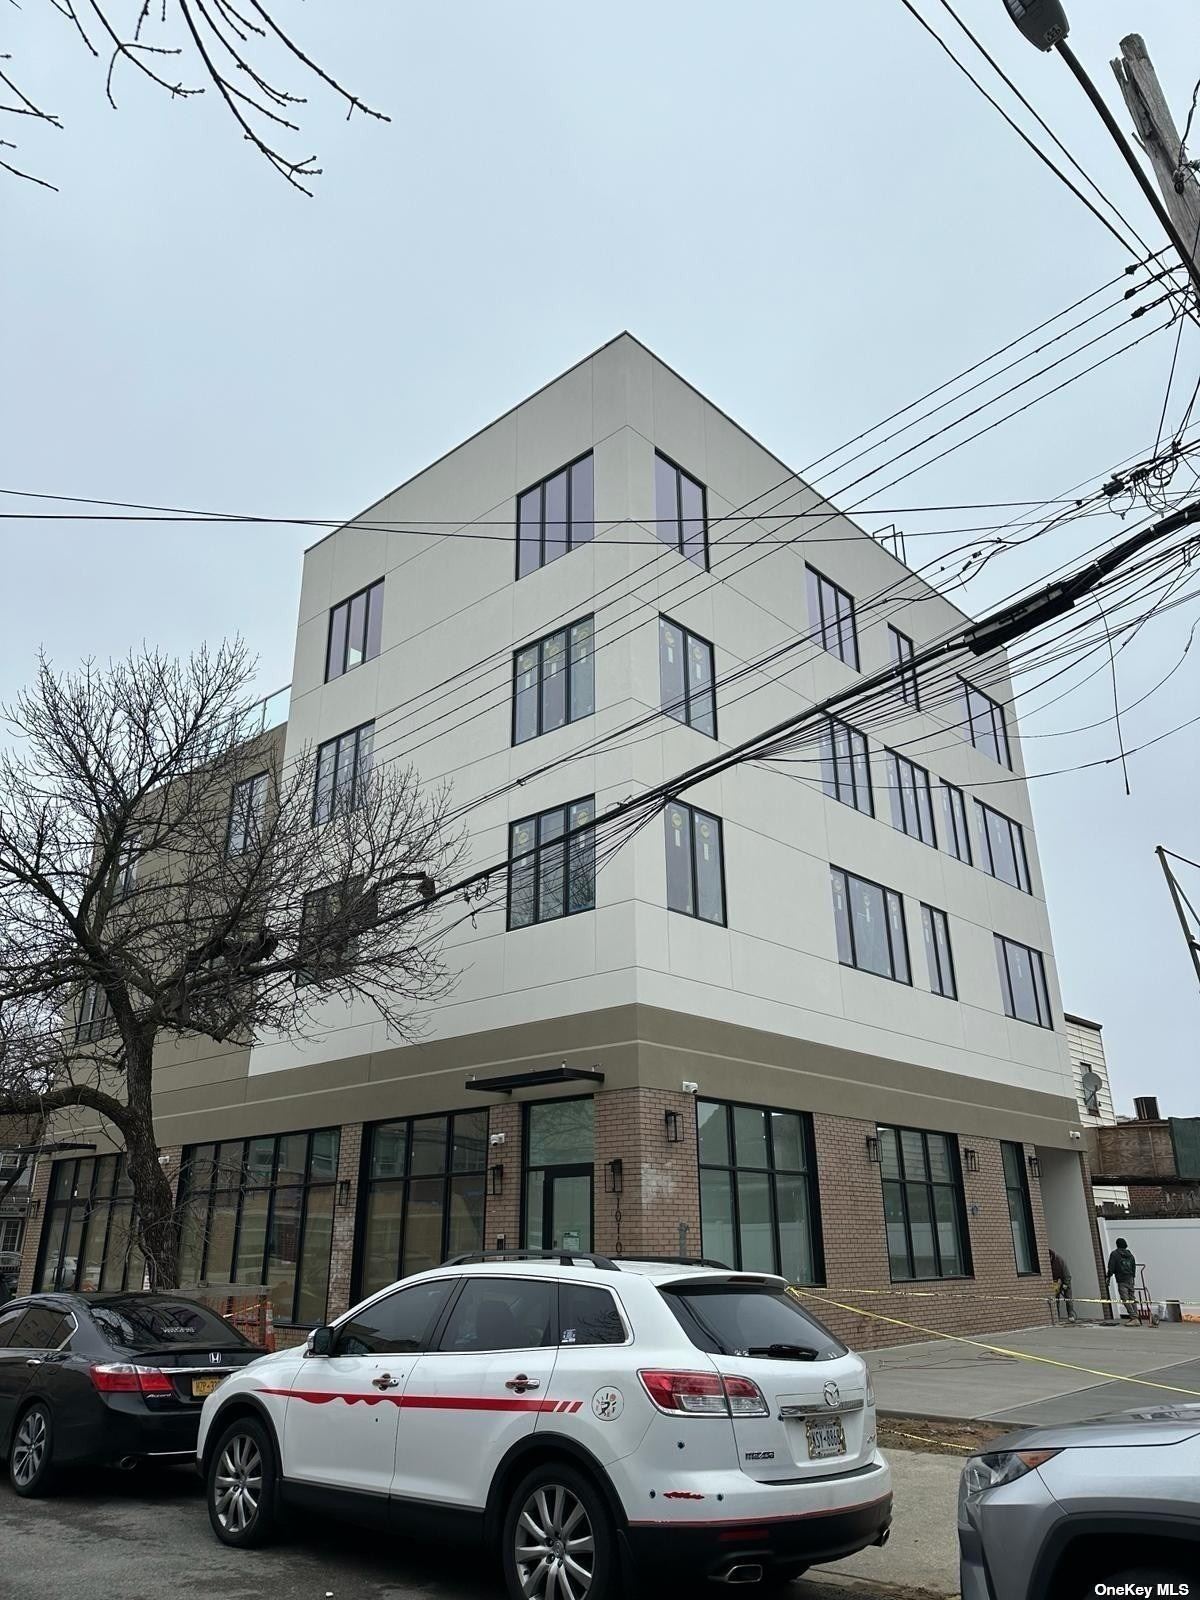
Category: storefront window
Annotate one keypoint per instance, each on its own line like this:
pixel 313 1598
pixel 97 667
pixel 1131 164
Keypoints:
pixel 424 1195
pixel 758 1191
pixel 89 1240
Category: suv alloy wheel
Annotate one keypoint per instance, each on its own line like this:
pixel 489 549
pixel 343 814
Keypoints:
pixel 241 1485
pixel 558 1542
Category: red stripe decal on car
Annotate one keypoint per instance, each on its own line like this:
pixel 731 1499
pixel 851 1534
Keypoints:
pixel 427 1402
pixel 682 1494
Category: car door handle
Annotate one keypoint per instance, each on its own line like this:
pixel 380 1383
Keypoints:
pixel 520 1383
pixel 386 1381
pixel 34 1361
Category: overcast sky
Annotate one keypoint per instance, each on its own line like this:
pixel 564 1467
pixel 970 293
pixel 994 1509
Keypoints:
pixel 803 208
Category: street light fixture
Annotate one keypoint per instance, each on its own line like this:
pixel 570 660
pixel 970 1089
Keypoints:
pixel 1043 22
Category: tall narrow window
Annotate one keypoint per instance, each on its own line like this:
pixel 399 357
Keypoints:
pixel 89 1240
pixel 936 927
pixel 902 655
pixel 128 857
pixel 554 681
pixel 343 767
pixel 758 1190
pixel 846 766
pixel 1020 1208
pixel 680 510
pixel 871 934
pixel 555 516
pixel 685 673
pixel 987 728
pixel 923 1205
pixel 355 630
pixel 831 618
pixel 1002 847
pixel 95 1017
pixel 246 812
pixel 332 920
pixel 552 864
pixel 912 798
pixel 695 863
pixel 1023 982
pixel 956 834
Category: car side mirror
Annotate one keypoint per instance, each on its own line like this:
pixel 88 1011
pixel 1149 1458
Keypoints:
pixel 320 1342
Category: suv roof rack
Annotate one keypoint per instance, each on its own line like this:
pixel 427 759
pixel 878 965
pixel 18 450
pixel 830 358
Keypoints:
pixel 675 1261
pixel 565 1258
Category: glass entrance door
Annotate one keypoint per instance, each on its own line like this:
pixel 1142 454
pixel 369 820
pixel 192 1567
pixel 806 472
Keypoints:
pixel 558 1175
pixel 567 1219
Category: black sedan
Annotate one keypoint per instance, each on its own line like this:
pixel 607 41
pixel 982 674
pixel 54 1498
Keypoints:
pixel 106 1379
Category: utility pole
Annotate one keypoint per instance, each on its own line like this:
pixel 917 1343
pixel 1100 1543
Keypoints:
pixel 1180 901
pixel 1159 138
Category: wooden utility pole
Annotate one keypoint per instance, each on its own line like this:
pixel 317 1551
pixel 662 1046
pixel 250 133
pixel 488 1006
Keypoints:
pixel 1159 138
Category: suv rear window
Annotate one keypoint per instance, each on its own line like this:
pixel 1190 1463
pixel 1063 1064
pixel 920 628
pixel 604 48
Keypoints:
pixel 158 1323
pixel 733 1319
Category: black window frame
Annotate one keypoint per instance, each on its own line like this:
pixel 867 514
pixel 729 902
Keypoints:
pixel 695 812
pixel 998 736
pixel 205 1197
pixel 1041 988
pixel 317 906
pixel 889 895
pixel 678 542
pixel 772 1171
pixel 1020 1208
pixel 584 840
pixel 359 774
pixel 372 595
pixel 987 856
pixel 833 781
pixel 571 522
pixel 819 628
pixel 929 1183
pixel 688 638
pixel 909 816
pixel 941 982
pixel 958 826
pixel 128 859
pixel 95 1020
pixel 902 652
pixel 250 813
pixel 109 1189
pixel 403 1182
pixel 554 1169
pixel 567 634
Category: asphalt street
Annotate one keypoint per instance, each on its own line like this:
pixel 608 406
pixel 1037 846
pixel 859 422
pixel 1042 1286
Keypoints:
pixel 134 1536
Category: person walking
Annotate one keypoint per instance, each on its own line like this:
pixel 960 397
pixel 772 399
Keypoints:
pixel 1061 1273
pixel 1122 1269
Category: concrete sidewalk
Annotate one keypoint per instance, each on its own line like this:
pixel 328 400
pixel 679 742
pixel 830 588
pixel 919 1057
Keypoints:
pixel 921 1557
pixel 946 1378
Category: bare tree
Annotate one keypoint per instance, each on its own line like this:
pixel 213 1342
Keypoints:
pixel 236 48
pixel 163 872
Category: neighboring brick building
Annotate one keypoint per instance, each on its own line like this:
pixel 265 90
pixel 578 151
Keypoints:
pixel 804 1020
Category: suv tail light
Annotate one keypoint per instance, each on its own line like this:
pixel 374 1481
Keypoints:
pixel 121 1377
pixel 704 1394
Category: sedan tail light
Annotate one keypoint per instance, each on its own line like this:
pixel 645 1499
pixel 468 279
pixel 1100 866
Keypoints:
pixel 122 1377
pixel 704 1394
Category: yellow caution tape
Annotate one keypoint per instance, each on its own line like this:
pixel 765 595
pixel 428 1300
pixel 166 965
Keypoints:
pixel 995 1349
pixel 946 1444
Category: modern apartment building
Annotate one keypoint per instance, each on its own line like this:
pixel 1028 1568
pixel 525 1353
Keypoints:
pixel 805 1019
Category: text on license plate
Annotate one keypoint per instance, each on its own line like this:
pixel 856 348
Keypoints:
pixel 826 1438
pixel 204 1386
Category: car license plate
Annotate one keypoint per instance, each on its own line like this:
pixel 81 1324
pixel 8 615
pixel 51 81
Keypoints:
pixel 205 1386
pixel 825 1439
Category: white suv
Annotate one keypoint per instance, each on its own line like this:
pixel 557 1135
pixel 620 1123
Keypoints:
pixel 583 1417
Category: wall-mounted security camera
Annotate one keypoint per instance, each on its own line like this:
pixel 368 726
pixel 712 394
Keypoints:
pixel 495 1138
pixel 1074 1134
pixel 688 1087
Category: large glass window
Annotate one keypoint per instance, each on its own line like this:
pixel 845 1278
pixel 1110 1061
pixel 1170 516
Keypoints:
pixel 246 811
pixel 423 1197
pixel 560 1147
pixel 331 921
pixel 343 767
pixel 554 681
pixel 831 618
pixel 552 864
pixel 1002 847
pixel 846 766
pixel 1023 982
pixel 260 1211
pixel 89 1239
pixel 355 630
pixel 955 833
pixel 680 511
pixel 936 927
pixel 923 1205
pixel 695 863
pixel 912 798
pixel 871 933
pixel 986 725
pixel 902 656
pixel 1020 1209
pixel 685 675
pixel 758 1190
pixel 555 516
pixel 95 1015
